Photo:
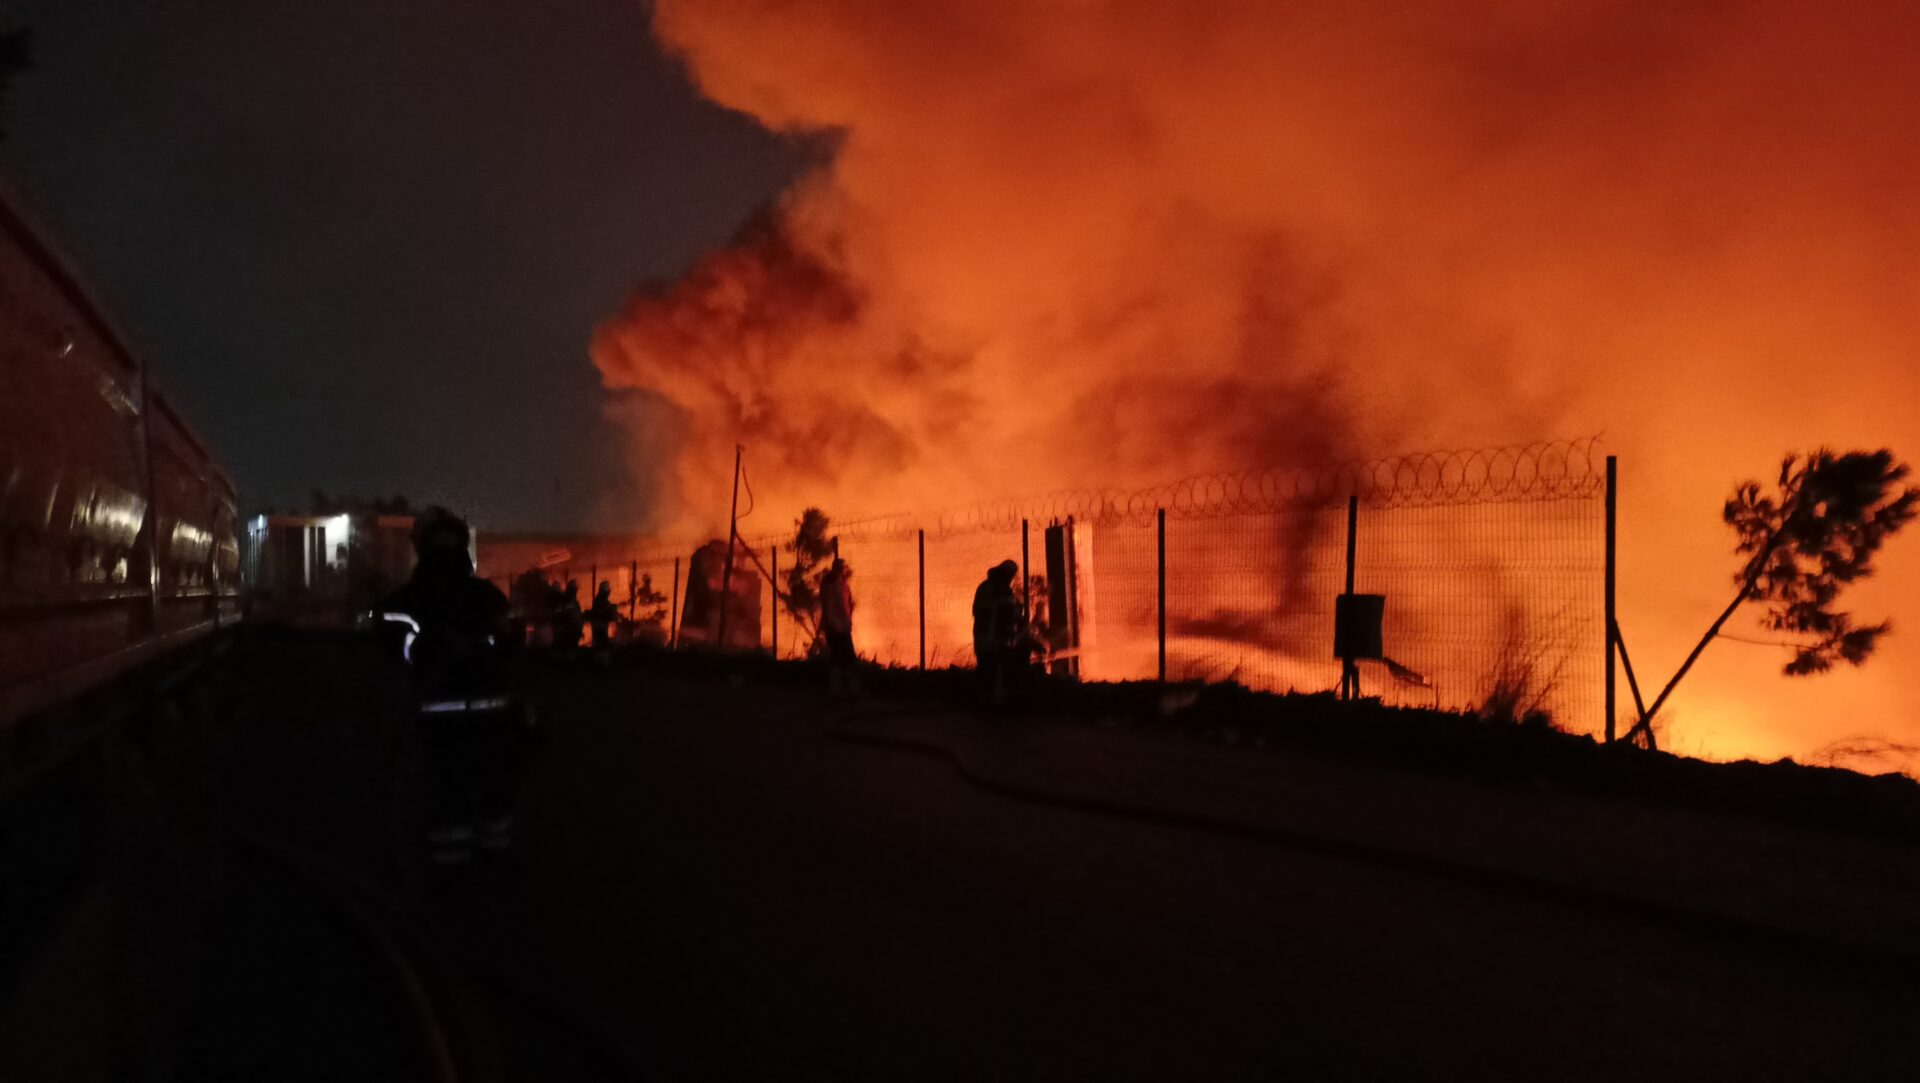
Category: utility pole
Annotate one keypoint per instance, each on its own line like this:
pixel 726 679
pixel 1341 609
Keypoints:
pixel 1026 580
pixel 673 612
pixel 726 574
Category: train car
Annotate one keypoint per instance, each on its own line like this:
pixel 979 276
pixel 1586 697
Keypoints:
pixel 118 530
pixel 196 548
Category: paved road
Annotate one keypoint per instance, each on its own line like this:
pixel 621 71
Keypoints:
pixel 293 990
pixel 709 879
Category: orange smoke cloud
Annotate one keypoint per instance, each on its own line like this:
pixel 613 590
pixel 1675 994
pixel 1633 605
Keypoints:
pixel 1082 242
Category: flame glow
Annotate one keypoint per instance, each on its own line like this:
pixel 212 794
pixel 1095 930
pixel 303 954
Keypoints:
pixel 1109 242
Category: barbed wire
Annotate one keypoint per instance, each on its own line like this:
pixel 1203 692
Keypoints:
pixel 1544 471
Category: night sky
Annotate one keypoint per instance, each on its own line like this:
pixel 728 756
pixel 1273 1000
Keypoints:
pixel 365 243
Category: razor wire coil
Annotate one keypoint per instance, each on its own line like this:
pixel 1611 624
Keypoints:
pixel 1542 471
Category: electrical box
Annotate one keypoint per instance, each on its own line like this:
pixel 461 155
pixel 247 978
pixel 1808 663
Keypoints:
pixel 1356 625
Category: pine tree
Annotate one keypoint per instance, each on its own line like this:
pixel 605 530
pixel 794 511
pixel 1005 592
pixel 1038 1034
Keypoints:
pixel 1805 541
pixel 812 551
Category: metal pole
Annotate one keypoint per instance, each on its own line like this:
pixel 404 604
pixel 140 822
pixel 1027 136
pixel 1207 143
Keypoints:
pixel 726 572
pixel 1626 663
pixel 1349 672
pixel 922 600
pixel 1162 517
pixel 1026 585
pixel 1353 518
pixel 673 613
pixel 1070 551
pixel 1613 522
pixel 773 552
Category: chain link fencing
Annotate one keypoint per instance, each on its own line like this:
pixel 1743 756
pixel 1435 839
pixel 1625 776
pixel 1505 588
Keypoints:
pixel 1491 563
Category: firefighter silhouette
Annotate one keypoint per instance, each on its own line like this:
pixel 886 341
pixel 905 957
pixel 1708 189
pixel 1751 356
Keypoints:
pixel 451 627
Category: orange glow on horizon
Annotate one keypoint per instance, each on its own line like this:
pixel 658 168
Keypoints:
pixel 1109 243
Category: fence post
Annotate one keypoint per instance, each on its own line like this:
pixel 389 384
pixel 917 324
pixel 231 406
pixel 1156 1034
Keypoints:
pixel 673 614
pixel 773 589
pixel 1613 520
pixel 922 600
pixel 1162 517
pixel 1350 670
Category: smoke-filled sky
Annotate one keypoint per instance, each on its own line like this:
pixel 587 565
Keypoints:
pixel 1085 242
pixel 1104 219
pixel 364 242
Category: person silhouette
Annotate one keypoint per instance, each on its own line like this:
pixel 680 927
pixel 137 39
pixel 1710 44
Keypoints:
pixel 603 616
pixel 451 625
pixel 567 618
pixel 997 633
pixel 836 627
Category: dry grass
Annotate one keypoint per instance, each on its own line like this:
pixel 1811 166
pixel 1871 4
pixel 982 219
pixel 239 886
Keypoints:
pixel 1522 682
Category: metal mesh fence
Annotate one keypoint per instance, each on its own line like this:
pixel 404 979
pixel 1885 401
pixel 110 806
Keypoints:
pixel 956 564
pixel 886 591
pixel 642 587
pixel 1491 564
pixel 1481 601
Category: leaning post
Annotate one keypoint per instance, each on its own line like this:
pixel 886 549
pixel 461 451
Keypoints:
pixel 673 614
